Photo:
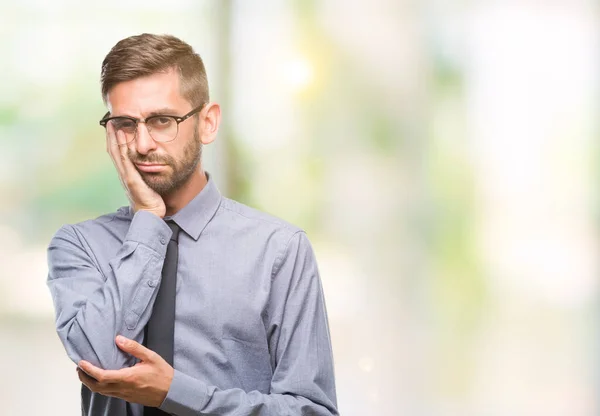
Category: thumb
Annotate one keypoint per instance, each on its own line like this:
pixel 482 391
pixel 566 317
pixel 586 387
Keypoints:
pixel 134 348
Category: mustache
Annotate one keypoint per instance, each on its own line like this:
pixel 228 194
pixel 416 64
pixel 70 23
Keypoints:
pixel 135 157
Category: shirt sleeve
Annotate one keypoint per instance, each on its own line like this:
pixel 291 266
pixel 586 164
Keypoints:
pixel 301 354
pixel 92 307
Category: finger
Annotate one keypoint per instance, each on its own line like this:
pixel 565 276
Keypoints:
pixel 89 382
pixel 136 349
pixel 121 147
pixel 102 376
pixel 112 147
pixel 112 143
pixel 123 153
pixel 111 137
pixel 97 387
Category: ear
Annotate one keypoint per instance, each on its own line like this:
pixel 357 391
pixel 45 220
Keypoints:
pixel 210 119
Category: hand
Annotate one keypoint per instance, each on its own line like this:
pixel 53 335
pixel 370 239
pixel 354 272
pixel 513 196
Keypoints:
pixel 141 196
pixel 146 383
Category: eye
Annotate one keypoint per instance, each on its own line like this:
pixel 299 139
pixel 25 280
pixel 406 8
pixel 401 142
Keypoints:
pixel 124 124
pixel 161 122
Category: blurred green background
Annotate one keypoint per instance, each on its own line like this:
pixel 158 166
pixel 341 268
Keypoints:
pixel 441 155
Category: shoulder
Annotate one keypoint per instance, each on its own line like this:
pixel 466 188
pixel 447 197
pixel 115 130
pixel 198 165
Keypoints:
pixel 286 240
pixel 111 223
pixel 255 226
pixel 250 217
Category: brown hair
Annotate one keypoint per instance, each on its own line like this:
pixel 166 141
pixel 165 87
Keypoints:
pixel 147 54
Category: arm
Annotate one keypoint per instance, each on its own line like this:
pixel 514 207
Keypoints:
pixel 91 308
pixel 303 376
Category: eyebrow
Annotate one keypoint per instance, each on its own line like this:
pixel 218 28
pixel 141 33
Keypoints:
pixel 164 111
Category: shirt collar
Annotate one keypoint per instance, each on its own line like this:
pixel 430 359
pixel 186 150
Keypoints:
pixel 196 215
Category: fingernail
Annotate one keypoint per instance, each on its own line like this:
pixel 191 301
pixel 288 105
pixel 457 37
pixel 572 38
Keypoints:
pixel 121 340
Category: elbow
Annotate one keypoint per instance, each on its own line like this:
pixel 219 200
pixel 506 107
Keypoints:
pixel 92 346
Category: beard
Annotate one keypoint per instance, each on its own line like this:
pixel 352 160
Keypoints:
pixel 167 183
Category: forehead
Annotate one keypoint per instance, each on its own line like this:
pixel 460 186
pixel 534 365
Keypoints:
pixel 146 94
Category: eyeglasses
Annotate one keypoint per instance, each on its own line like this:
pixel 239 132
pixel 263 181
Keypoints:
pixel 162 128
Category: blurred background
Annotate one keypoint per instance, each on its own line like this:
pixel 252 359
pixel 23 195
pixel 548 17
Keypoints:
pixel 441 155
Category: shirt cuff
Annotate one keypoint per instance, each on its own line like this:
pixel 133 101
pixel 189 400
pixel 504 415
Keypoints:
pixel 186 396
pixel 150 230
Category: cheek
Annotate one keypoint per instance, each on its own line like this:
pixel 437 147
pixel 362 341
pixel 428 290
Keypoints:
pixel 177 153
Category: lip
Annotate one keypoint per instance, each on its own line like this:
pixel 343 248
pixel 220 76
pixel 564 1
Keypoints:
pixel 150 167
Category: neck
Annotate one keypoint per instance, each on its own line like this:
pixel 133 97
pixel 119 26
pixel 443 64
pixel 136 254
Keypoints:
pixel 182 196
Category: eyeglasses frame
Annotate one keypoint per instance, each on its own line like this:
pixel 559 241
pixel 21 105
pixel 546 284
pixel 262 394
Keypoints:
pixel 178 119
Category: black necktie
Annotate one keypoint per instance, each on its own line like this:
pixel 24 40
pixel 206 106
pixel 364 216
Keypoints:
pixel 160 331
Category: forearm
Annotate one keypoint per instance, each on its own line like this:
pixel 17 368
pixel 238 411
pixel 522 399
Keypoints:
pixel 93 308
pixel 192 397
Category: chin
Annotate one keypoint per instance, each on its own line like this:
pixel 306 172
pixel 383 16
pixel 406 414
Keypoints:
pixel 158 183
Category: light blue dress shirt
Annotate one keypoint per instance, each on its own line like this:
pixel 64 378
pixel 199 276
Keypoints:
pixel 251 330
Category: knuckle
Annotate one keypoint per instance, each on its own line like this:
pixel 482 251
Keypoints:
pixel 130 379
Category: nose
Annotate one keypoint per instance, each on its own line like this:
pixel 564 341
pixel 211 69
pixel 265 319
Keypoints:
pixel 144 143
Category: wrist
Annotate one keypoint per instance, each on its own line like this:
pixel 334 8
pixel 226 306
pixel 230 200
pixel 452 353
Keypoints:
pixel 156 211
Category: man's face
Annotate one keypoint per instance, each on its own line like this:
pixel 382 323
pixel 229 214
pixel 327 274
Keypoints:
pixel 172 162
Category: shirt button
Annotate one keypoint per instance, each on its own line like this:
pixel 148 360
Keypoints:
pixel 162 241
pixel 151 283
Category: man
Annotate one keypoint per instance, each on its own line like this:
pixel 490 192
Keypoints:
pixel 185 302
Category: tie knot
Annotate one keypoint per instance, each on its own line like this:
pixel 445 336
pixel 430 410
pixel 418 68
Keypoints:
pixel 175 228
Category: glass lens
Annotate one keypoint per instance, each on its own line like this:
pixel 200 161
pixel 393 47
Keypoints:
pixel 126 126
pixel 162 128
